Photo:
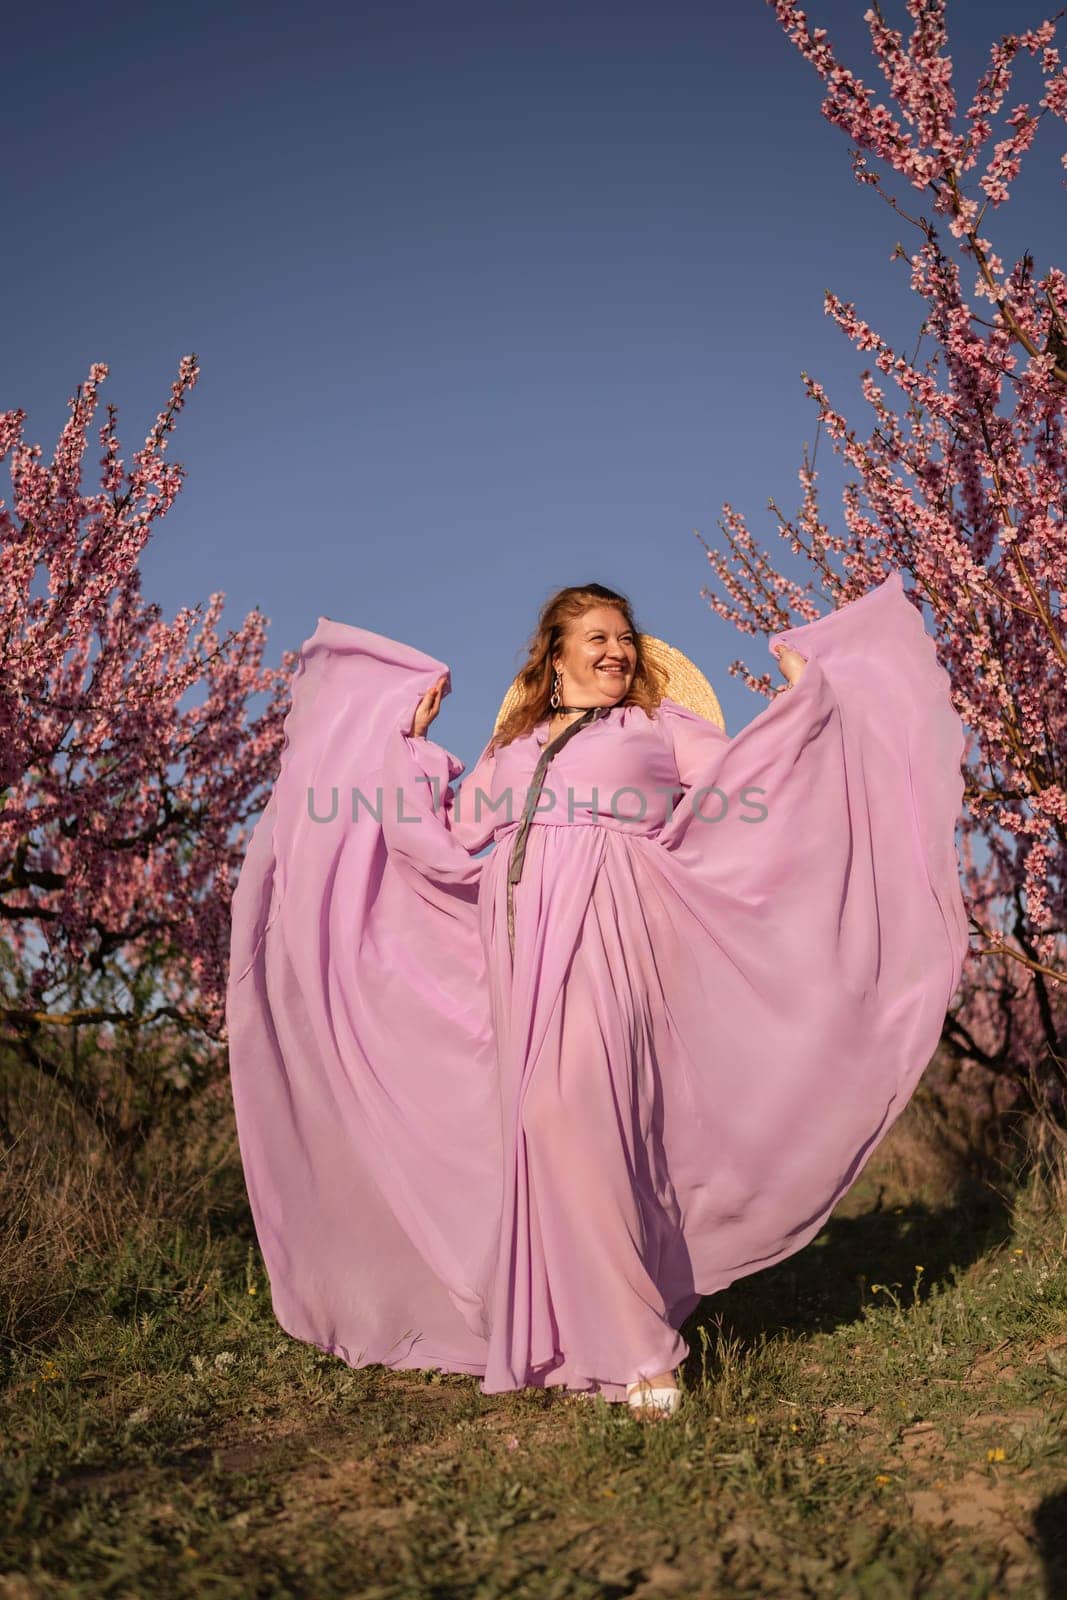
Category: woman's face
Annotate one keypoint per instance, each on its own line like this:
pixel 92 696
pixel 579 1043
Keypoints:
pixel 598 659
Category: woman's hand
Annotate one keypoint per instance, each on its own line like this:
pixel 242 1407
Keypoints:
pixel 791 662
pixel 427 709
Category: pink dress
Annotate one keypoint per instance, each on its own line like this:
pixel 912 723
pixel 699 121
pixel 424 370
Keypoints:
pixel 733 958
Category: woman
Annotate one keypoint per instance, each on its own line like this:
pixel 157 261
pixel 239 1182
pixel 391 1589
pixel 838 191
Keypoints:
pixel 515 1114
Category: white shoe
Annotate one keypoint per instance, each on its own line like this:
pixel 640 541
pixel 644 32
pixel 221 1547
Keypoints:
pixel 641 1396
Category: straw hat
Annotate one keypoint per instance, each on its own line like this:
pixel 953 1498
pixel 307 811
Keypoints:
pixel 685 683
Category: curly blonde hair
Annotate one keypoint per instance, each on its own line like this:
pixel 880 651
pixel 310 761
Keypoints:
pixel 534 678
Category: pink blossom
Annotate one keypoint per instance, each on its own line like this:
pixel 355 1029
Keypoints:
pixel 958 476
pixel 121 828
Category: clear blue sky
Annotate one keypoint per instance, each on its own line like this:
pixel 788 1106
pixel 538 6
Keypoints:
pixel 488 298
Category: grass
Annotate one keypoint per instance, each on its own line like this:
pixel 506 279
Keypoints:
pixel 883 1415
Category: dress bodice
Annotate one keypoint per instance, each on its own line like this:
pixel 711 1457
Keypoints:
pixel 619 772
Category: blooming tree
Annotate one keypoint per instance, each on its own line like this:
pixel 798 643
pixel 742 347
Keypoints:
pixel 121 808
pixel 960 482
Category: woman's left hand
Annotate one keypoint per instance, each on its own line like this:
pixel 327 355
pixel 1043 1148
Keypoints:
pixel 791 662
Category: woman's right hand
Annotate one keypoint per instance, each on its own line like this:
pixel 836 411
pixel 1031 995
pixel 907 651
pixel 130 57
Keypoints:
pixel 427 708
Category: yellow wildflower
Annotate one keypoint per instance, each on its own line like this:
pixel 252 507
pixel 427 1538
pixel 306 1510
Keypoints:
pixel 995 1455
pixel 882 1477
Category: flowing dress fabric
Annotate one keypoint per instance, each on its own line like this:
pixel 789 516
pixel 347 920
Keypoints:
pixel 733 959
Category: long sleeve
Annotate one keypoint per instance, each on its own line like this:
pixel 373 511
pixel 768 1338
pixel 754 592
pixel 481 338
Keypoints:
pixel 464 812
pixel 693 739
pixel 427 823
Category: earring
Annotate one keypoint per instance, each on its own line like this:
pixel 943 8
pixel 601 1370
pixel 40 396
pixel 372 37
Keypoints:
pixel 557 693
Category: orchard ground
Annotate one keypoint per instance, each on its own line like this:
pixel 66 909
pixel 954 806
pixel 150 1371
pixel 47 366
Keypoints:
pixel 884 1414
